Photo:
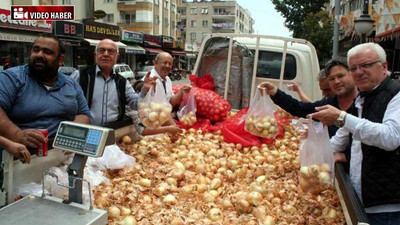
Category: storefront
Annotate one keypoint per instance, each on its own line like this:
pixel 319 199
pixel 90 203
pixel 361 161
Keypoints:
pixel 94 32
pixel 17 37
pixel 152 45
pixel 133 50
pixel 71 36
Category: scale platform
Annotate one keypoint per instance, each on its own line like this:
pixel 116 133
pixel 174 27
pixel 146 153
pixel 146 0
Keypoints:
pixel 34 210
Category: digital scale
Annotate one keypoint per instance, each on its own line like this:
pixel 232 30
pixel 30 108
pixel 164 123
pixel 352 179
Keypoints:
pixel 84 140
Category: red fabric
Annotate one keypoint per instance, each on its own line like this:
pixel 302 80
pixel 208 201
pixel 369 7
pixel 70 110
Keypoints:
pixel 201 124
pixel 235 133
pixel 205 82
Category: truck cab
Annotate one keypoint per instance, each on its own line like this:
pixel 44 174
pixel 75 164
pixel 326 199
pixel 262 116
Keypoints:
pixel 241 61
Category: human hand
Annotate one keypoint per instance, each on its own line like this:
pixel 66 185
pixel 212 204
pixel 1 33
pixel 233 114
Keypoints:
pixel 269 87
pixel 326 114
pixel 340 157
pixel 19 151
pixel 185 88
pixel 173 129
pixel 149 82
pixel 295 86
pixel 30 138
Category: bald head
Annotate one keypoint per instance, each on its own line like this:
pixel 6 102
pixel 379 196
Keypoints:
pixel 163 64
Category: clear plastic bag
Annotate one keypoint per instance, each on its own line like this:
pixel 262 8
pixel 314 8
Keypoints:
pixel 154 109
pixel 113 158
pixel 188 108
pixel 316 159
pixel 260 120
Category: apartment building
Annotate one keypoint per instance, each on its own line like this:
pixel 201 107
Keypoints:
pixel 200 17
pixel 155 17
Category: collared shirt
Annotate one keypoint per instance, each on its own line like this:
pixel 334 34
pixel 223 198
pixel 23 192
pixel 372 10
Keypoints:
pixel 159 84
pixel 385 135
pixel 104 106
pixel 29 104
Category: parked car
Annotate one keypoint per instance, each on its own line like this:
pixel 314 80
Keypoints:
pixel 143 72
pixel 67 70
pixel 125 71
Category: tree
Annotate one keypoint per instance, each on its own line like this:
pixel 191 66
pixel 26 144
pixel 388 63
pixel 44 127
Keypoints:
pixel 295 12
pixel 318 29
pixel 307 19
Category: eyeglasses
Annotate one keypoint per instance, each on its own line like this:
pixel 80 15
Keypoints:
pixel 110 51
pixel 363 66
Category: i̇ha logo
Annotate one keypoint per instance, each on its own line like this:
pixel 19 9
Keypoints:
pixel 42 12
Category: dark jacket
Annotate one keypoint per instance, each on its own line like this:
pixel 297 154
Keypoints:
pixel 87 77
pixel 380 173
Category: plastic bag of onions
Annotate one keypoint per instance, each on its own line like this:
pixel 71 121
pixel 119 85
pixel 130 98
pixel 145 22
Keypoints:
pixel 260 120
pixel 316 159
pixel 187 109
pixel 154 109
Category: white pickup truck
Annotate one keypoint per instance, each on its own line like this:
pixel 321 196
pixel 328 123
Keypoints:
pixel 242 61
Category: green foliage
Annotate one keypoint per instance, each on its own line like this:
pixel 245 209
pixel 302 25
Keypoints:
pixel 304 18
pixel 318 29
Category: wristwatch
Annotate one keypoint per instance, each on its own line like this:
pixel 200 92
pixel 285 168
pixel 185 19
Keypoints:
pixel 341 119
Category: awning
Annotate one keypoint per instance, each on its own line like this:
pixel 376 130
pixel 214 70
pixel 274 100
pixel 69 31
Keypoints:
pixel 70 42
pixel 135 49
pixel 154 51
pixel 175 52
pixel 94 42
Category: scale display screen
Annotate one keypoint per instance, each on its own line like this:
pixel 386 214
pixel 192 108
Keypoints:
pixel 83 139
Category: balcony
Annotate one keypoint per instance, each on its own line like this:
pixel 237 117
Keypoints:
pixel 133 25
pixel 223 27
pixel 134 5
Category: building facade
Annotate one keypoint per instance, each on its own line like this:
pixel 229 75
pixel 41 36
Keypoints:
pixel 199 18
pixel 386 29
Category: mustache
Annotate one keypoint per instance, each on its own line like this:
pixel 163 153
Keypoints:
pixel 39 60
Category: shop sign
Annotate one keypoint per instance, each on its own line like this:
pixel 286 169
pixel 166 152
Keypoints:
pixel 100 31
pixel 17 37
pixel 167 41
pixel 68 29
pixel 132 37
pixel 152 40
pixel 32 25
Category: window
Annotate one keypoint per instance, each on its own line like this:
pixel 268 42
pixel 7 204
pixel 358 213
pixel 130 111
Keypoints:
pixel 269 65
pixel 166 4
pixel 157 2
pixel 129 18
pixel 66 2
pixel 173 7
pixel 109 18
pixel 193 11
pixel 205 23
pixel 166 22
pixel 157 20
pixel 204 11
pixel 193 36
pixel 193 23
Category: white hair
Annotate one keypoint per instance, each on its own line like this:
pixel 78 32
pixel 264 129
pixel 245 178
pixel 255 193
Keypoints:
pixel 366 46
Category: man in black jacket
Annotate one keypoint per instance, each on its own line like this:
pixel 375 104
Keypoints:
pixel 373 130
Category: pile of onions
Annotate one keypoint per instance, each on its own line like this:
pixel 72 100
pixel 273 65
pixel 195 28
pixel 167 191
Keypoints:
pixel 264 126
pixel 154 114
pixel 315 177
pixel 200 179
pixel 188 119
pixel 282 114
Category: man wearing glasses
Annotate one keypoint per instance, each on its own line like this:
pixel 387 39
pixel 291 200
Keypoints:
pixel 373 131
pixel 107 92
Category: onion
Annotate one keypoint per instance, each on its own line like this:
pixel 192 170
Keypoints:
pixel 243 206
pixel 129 220
pixel 169 199
pixel 125 211
pixel 177 221
pixel 114 212
pixel 126 140
pixel 254 198
pixel 215 183
pixel 145 182
pixel 215 214
pixel 269 220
